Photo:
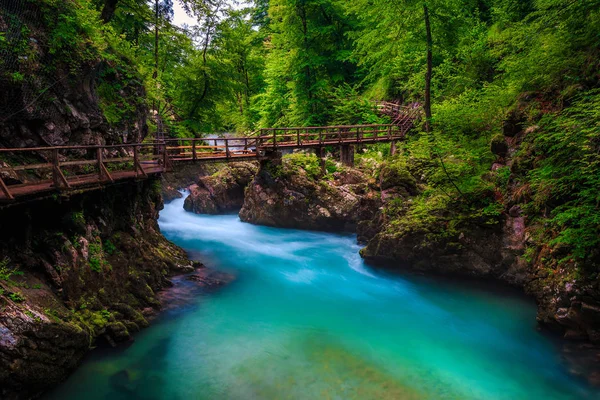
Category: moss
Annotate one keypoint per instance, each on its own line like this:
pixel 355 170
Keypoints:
pixel 395 173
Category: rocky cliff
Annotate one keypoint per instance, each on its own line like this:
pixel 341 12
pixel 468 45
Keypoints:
pixel 222 191
pixel 76 271
pixel 292 193
pixel 85 268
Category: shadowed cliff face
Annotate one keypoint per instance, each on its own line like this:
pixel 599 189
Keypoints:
pixel 74 272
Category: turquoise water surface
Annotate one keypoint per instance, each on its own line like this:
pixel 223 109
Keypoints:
pixel 306 319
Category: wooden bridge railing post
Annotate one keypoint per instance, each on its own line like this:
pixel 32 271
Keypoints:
pixel 103 173
pixel 58 178
pixel 194 155
pixel 137 166
pixel 274 138
pixel 165 158
pixel 227 154
pixel 298 137
pixel 5 190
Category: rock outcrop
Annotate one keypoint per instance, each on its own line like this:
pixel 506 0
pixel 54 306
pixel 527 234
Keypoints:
pixel 221 192
pixel 290 193
pixel 76 271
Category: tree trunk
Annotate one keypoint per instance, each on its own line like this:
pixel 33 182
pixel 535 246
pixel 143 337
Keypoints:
pixel 108 10
pixel 156 22
pixel 427 105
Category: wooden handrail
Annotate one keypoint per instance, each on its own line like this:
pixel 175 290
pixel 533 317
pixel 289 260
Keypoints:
pixel 140 160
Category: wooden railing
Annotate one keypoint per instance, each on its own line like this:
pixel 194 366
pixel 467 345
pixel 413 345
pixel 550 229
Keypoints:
pixel 28 171
pixel 68 167
pixel 404 116
pixel 328 135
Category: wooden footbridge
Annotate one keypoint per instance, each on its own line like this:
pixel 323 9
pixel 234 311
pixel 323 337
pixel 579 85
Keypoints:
pixel 27 173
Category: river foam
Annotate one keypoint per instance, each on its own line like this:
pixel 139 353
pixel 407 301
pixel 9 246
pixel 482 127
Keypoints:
pixel 306 319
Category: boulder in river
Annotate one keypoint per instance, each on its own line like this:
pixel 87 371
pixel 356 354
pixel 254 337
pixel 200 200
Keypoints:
pixel 293 193
pixel 221 192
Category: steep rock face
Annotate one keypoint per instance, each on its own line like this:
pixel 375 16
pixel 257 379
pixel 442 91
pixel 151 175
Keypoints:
pixel 448 241
pixel 474 250
pixel 221 192
pixel 286 195
pixel 74 271
pixel 66 92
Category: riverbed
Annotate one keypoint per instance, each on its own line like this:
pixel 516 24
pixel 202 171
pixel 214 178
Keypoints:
pixel 305 318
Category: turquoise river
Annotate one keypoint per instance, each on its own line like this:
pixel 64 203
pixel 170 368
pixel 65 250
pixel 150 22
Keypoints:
pixel 305 318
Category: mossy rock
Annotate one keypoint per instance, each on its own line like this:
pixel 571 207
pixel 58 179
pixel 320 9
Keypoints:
pixel 395 174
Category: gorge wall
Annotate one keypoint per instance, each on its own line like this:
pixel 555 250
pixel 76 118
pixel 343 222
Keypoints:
pixel 75 271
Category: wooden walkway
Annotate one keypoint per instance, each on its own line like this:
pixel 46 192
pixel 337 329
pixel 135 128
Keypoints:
pixel 33 172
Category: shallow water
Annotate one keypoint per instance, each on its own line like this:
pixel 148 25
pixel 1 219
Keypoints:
pixel 306 319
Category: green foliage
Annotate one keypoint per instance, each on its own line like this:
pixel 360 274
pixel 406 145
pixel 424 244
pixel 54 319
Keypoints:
pixel 308 162
pixel 6 272
pixel 109 247
pixel 565 177
pixel 16 297
pixel 96 258
pixel 78 218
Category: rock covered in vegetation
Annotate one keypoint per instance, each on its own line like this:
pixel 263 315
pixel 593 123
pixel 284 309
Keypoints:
pixel 438 233
pixel 221 192
pixel 184 175
pixel 73 90
pixel 76 271
pixel 291 193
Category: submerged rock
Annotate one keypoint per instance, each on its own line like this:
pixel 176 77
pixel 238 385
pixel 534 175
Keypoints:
pixel 221 192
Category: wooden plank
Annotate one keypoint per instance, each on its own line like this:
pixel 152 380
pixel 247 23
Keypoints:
pixel 26 167
pixel 82 162
pixel 118 159
pixel 5 190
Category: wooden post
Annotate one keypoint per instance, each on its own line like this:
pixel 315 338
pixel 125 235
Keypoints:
pixel 136 163
pixel 393 148
pixel 320 136
pixel 390 132
pixel 58 177
pixel 194 155
pixel 165 158
pixel 246 144
pixel 347 155
pixel 227 155
pixel 99 164
pixel 274 138
pixel 298 137
pixel 322 160
pixel 4 188
pixel 103 173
